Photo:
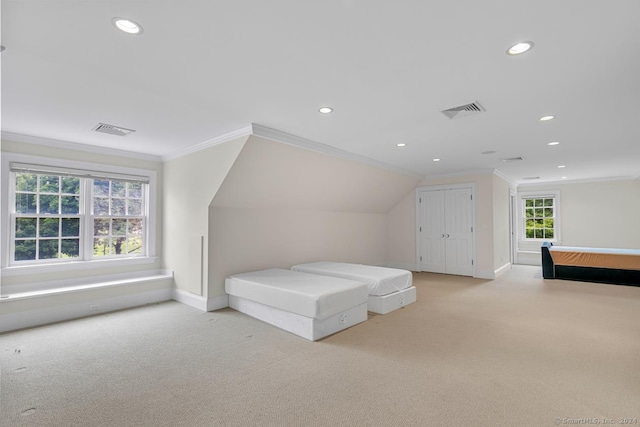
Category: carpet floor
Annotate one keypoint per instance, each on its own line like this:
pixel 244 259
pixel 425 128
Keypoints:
pixel 518 350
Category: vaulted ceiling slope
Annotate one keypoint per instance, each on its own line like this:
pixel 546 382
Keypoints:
pixel 200 70
pixel 273 175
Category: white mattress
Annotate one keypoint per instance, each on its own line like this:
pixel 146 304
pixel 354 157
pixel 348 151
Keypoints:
pixel 595 250
pixel 305 294
pixel 379 280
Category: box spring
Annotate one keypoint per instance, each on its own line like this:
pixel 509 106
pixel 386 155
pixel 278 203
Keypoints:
pixel 306 327
pixel 387 303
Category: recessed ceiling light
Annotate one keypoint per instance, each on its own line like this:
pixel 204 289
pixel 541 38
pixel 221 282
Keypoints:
pixel 563 177
pixel 520 48
pixel 325 110
pixel 127 26
pixel 553 143
pixel 561 166
pixel 402 144
pixel 436 160
pixel 546 118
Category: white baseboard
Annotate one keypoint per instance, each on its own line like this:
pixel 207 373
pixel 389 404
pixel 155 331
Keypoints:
pixel 216 303
pixel 199 302
pixel 28 319
pixel 501 270
pixel 187 298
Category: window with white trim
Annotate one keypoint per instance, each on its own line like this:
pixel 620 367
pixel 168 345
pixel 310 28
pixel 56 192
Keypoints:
pixel 59 214
pixel 539 218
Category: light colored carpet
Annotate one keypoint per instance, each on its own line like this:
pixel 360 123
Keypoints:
pixel 514 351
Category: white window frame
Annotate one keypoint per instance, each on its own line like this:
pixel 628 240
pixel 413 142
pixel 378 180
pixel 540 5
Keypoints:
pixel 107 171
pixel 12 226
pixel 533 244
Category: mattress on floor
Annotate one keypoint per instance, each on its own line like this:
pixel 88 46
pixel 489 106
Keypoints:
pixel 306 327
pixel 623 259
pixel 379 280
pixel 308 295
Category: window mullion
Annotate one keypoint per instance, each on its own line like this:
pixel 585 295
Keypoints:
pixel 86 226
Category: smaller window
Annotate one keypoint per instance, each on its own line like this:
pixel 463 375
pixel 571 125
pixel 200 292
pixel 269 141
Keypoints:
pixel 539 217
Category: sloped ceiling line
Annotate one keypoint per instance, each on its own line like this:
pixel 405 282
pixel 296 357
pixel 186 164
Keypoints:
pixel 283 137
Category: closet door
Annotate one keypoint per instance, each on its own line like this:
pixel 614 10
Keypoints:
pixel 432 242
pixel 459 231
pixel 445 235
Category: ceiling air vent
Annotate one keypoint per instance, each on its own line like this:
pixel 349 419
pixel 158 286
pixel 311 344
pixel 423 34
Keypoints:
pixel 530 178
pixel 512 159
pixel 112 130
pixel 464 110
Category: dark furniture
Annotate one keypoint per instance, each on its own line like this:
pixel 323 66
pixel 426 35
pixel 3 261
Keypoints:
pixel 583 273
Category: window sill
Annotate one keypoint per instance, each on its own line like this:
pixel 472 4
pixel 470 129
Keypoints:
pixel 20 292
pixel 534 245
pixel 25 270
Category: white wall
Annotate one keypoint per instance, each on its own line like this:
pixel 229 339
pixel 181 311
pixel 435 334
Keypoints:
pixel 245 239
pixel 401 234
pixel 281 205
pixel 190 184
pixel 596 214
pixel 501 231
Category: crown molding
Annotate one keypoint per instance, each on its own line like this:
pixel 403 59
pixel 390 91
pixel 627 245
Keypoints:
pixel 65 145
pixel 505 177
pixel 245 131
pixel 579 181
pixel 463 173
pixel 286 138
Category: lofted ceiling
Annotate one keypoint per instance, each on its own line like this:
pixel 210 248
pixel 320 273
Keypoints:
pixel 202 69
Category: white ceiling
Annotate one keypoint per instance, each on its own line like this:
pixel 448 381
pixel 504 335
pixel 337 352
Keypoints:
pixel 202 69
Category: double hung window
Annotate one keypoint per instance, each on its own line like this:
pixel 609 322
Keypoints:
pixel 58 214
pixel 539 217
